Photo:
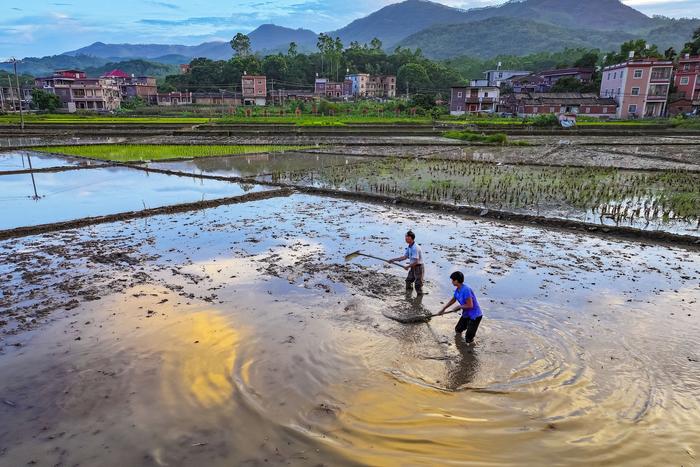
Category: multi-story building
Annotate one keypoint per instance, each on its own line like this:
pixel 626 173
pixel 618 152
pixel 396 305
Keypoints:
pixel 639 87
pixel 331 89
pixel 360 83
pixel 382 86
pixel 474 99
pixel 540 103
pixel 496 77
pixel 366 85
pixel 9 100
pixel 78 92
pixel 254 89
pixel 131 86
pixel 687 79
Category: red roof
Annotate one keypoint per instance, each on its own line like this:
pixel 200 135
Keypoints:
pixel 116 74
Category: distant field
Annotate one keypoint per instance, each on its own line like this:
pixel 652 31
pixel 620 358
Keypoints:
pixel 74 119
pixel 309 120
pixel 137 152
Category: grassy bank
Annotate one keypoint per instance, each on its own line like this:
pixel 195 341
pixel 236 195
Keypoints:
pixel 137 152
pixel 500 139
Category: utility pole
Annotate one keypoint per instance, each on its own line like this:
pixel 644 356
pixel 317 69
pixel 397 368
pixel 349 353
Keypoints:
pixel 407 95
pixel 19 93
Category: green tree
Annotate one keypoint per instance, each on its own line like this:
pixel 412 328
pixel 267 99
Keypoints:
pixel 640 47
pixel 375 44
pixel 693 46
pixel 132 103
pixel 412 76
pixel 275 67
pixel 241 45
pixel 293 49
pixel 587 60
pixel 43 100
pixel 567 84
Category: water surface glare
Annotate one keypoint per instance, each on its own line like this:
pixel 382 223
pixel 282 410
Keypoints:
pixel 62 196
pixel 241 336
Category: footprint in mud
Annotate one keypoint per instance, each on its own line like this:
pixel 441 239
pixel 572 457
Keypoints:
pixel 324 412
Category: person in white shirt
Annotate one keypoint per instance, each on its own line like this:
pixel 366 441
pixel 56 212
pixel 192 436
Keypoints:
pixel 414 255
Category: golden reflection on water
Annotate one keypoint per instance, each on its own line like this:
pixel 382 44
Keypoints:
pixel 198 370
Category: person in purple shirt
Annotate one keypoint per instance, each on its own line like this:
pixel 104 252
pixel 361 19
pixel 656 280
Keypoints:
pixel 471 312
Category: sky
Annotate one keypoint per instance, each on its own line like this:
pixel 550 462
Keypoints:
pixel 34 28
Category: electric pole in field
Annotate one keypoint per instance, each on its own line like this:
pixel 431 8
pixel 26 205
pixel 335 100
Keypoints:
pixel 19 94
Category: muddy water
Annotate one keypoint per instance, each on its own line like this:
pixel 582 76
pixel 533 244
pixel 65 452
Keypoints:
pixel 257 164
pixel 251 341
pixel 82 193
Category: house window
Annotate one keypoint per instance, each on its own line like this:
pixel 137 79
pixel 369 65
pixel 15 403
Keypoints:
pixel 660 73
pixel 632 108
pixel 459 108
pixel 686 67
pixel 615 75
pixel 588 110
pixel 551 110
pixel 635 91
pixel 609 75
pixel 605 110
pixel 638 74
pixel 618 91
pixel 684 80
pixel 459 94
pixel 535 109
pixel 486 94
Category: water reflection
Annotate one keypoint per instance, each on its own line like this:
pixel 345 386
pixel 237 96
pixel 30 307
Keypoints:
pixel 462 371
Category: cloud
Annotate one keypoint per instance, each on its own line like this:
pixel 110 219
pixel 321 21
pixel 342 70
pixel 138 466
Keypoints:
pixel 170 6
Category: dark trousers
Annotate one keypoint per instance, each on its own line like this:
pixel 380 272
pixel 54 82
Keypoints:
pixel 415 275
pixel 469 325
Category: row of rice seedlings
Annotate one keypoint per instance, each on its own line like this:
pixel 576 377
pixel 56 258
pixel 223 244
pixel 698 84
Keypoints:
pixel 609 193
pixel 138 152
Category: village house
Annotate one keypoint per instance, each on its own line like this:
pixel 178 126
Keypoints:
pixel 527 83
pixel 687 84
pixel 640 87
pixel 360 83
pixel 331 89
pixel 143 87
pixel 544 80
pixel 254 89
pixel 378 86
pixel 9 98
pixel 496 77
pixel 584 75
pixel 474 99
pixel 78 92
pixel 280 96
pixel 532 104
pixel 168 99
pixel 221 98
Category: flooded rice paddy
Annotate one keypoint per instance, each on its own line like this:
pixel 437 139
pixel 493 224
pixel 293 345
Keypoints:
pixel 240 336
pixel 26 160
pixel 258 164
pixel 664 200
pixel 62 196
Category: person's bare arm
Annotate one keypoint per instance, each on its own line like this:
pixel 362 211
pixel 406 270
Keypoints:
pixel 447 305
pixel 400 258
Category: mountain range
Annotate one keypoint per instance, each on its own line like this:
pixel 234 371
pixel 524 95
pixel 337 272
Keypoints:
pixel 517 27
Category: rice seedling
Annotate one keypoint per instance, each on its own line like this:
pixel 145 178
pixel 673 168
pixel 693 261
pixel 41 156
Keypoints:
pixel 605 195
pixel 144 152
